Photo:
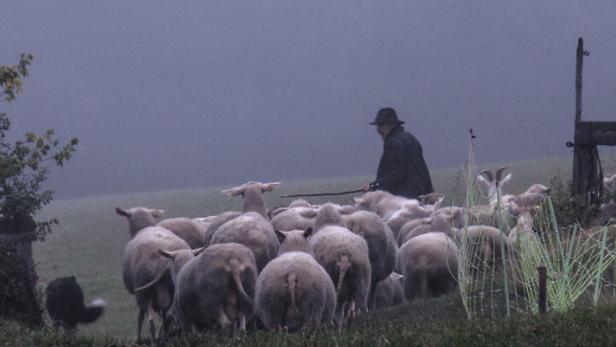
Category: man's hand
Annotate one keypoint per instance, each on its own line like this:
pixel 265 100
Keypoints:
pixel 370 187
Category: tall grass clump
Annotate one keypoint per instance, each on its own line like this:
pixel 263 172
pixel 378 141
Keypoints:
pixel 575 260
pixel 498 275
pixel 481 279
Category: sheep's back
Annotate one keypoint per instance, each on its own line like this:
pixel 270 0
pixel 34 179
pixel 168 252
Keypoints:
pixel 142 262
pixel 253 231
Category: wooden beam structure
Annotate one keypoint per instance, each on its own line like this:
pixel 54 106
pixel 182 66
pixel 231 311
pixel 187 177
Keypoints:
pixel 587 170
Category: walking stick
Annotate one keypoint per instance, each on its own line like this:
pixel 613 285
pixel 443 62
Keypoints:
pixel 323 194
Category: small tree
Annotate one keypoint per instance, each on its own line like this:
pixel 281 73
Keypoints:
pixel 22 172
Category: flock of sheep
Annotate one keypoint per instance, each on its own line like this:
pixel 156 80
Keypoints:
pixel 304 266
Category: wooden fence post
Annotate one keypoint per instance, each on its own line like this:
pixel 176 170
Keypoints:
pixel 543 282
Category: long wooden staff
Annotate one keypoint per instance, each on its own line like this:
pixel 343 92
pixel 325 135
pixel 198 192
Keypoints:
pixel 322 194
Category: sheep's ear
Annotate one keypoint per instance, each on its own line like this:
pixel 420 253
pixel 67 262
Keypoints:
pixel 198 251
pixel 307 232
pixel 167 254
pixel 499 173
pixel 358 200
pixel 346 209
pixel 233 191
pixel 280 234
pixel 506 179
pixel 310 213
pixel 438 202
pixel 487 175
pixel 122 212
pixel 486 183
pixel 268 187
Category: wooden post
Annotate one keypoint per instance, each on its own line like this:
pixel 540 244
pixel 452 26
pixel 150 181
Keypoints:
pixel 587 172
pixel 579 64
pixel 543 282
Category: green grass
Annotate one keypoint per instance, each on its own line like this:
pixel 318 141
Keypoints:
pixel 89 242
pixel 442 324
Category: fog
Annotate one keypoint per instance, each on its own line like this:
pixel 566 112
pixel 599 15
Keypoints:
pixel 166 95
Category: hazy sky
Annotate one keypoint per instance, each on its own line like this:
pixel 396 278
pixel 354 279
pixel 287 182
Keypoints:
pixel 176 94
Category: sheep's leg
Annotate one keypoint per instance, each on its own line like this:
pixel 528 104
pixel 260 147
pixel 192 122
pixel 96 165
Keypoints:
pixel 162 332
pixel 140 317
pixel 224 322
pixel 339 316
pixel 152 326
pixel 242 322
pixel 350 314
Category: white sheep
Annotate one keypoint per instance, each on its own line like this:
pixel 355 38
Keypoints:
pixel 344 256
pixel 294 218
pixel 494 182
pixel 609 183
pixel 382 246
pixel 185 228
pixel 380 202
pixel 215 288
pixel 252 193
pixel 145 268
pixel 140 218
pixel 253 231
pixel 428 264
pixel 294 241
pixel 294 292
pixel 445 220
pixel 216 222
pixel 328 214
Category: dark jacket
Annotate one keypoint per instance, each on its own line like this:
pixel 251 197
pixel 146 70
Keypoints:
pixel 402 170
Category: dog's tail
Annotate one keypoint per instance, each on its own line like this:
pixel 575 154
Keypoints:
pixel 93 312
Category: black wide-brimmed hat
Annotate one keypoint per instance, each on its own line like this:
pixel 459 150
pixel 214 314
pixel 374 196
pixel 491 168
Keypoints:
pixel 386 115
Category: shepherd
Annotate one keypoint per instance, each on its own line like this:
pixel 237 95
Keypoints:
pixel 402 169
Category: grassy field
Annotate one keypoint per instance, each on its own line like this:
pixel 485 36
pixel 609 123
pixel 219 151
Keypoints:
pixel 90 239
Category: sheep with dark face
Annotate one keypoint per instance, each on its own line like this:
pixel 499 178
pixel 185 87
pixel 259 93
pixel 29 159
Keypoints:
pixel 64 303
pixel 215 287
pixel 389 291
pixel 294 292
pixel 429 265
pixel 345 257
pixel 381 245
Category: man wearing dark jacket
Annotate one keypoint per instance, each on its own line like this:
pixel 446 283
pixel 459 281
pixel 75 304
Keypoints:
pixel 402 170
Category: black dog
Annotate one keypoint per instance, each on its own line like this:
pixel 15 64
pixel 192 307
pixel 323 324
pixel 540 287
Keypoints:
pixel 65 304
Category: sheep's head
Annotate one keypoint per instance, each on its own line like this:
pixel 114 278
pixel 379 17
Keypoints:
pixel 179 258
pixel 140 217
pixel 294 241
pixel 432 199
pixel 609 183
pixel 252 192
pixel 328 214
pixel 494 182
